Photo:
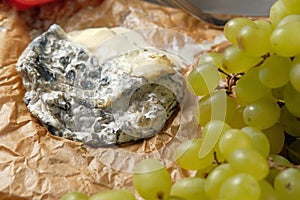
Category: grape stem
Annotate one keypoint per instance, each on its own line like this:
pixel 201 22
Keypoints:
pixel 231 80
pixel 273 165
pixel 216 159
pixel 223 72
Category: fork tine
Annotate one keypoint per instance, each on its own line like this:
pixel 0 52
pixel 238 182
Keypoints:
pixel 192 10
pixel 166 3
pixel 199 14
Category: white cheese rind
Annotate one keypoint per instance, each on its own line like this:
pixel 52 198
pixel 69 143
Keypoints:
pixel 80 95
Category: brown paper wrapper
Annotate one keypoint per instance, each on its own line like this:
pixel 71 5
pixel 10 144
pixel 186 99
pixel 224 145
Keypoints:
pixel 37 165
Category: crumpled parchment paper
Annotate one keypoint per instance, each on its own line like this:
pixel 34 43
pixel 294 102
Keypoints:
pixel 37 165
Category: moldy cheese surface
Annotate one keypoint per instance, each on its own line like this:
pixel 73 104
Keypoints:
pixel 78 96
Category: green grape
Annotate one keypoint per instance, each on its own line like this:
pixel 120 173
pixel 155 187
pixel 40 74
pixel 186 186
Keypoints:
pixel 288 19
pixel 259 140
pixel 249 161
pixel 240 186
pixel 277 93
pixel 289 122
pixel 279 161
pixel 74 196
pixel 203 173
pixel 113 195
pixel 231 107
pixel 190 188
pixel 292 98
pixel 236 61
pixel 216 178
pixel 249 88
pixel 275 135
pixel 277 12
pixel 275 71
pixel 248 36
pixel 292 5
pixel 262 113
pixel 287 184
pixel 237 121
pixel 215 58
pixel 233 26
pixel 233 139
pixel 216 106
pixel 174 198
pixel 285 40
pixel 152 180
pixel 203 79
pixel 211 133
pixel 294 152
pixel 187 155
pixel 267 191
pixel 295 73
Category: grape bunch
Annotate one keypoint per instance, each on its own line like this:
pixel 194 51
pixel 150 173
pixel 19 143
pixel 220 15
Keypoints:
pixel 249 111
pixel 261 69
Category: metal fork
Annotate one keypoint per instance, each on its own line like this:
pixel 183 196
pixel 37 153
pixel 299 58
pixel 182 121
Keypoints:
pixel 217 12
pixel 195 12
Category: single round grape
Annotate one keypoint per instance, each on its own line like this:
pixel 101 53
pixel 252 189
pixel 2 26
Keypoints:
pixel 215 58
pixel 236 61
pixel 190 188
pixel 267 191
pixel 233 139
pixel 292 5
pixel 259 140
pixel 287 184
pixel 279 161
pixel 211 133
pixel 215 106
pixel 249 161
pixel 187 155
pixel 233 26
pixel 276 137
pixel 113 195
pixel 237 121
pixel 262 113
pixel 240 186
pixel 249 88
pixel 152 180
pixel 285 40
pixel 203 79
pixel 295 74
pixel 74 196
pixel 275 71
pixel 216 178
pixel 292 98
pixel 248 36
pixel 277 12
pixel 288 19
pixel 289 122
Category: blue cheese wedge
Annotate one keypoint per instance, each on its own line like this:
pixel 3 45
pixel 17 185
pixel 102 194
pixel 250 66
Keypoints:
pixel 79 94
